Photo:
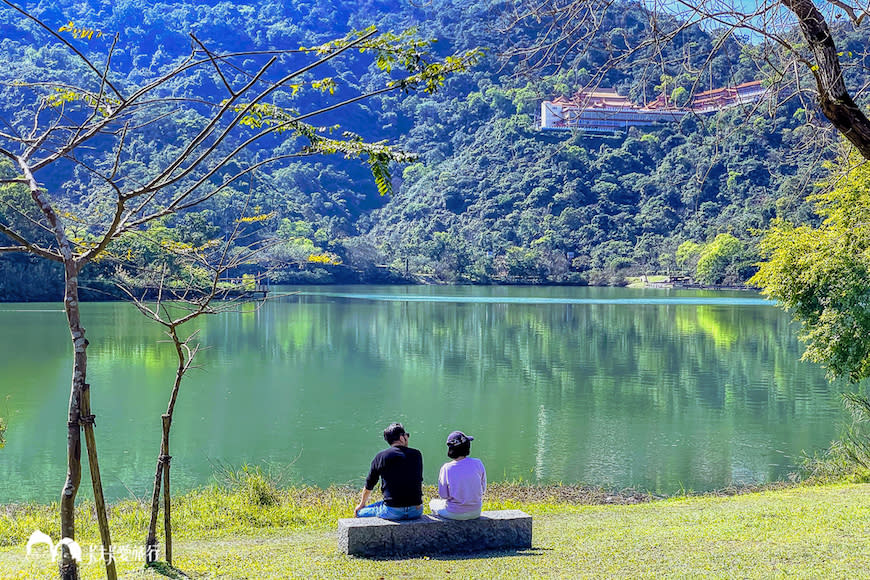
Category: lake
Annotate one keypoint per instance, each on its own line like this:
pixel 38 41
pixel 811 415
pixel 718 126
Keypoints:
pixel 661 390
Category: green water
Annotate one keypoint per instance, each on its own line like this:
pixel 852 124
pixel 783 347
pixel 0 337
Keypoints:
pixel 660 390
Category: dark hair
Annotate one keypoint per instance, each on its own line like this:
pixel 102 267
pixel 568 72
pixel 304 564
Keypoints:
pixel 393 432
pixel 461 450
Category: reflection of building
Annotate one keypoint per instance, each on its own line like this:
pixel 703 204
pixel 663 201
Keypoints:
pixel 604 111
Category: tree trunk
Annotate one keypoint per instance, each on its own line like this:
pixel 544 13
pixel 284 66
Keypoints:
pixel 167 498
pixel 79 415
pixel 834 99
pixel 68 566
pixel 151 550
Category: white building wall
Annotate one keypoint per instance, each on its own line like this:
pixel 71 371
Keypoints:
pixel 551 114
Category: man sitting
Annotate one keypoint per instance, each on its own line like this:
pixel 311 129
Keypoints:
pixel 400 469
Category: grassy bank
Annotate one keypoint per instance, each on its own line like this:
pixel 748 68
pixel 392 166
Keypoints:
pixel 255 531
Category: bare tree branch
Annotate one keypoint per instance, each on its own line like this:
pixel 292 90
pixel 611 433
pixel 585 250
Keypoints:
pixel 851 11
pixel 165 178
pixel 28 246
pixel 215 64
pixel 83 58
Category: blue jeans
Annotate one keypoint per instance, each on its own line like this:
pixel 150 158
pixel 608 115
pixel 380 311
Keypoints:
pixel 380 510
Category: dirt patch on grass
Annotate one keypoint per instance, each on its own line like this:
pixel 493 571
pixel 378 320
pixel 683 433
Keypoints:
pixel 574 494
pixel 586 495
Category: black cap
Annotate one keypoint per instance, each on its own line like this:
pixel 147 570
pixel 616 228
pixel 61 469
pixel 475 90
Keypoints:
pixel 458 438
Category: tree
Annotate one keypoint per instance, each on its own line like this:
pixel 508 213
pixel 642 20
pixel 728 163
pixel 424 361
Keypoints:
pixel 182 296
pixel 687 255
pixel 647 252
pixel 821 274
pixel 87 128
pixel 715 258
pixel 791 40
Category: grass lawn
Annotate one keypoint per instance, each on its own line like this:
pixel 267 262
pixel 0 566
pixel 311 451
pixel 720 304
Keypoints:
pixel 795 532
pixel 641 282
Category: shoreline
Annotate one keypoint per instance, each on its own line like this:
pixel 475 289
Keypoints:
pixel 632 282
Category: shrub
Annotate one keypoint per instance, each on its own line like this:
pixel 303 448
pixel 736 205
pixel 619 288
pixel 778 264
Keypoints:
pixel 255 486
pixel 847 459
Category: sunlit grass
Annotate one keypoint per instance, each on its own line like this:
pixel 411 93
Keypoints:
pixel 642 281
pixel 798 531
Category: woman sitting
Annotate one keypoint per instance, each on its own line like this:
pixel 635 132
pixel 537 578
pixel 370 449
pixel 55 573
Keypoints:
pixel 461 482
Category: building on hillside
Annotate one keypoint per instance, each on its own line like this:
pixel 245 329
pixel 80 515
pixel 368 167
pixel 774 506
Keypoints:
pixel 603 111
pixel 724 98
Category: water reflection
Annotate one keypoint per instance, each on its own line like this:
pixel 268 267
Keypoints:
pixel 658 390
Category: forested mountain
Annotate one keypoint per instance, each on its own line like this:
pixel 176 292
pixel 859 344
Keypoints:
pixel 491 198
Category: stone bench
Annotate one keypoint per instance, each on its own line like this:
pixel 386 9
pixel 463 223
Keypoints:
pixel 494 530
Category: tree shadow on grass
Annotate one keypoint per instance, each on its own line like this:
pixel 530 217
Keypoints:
pixel 167 570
